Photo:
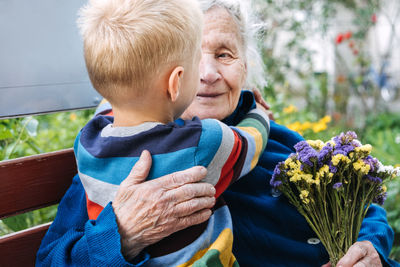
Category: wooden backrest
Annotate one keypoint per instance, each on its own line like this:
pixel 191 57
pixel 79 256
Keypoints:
pixel 27 184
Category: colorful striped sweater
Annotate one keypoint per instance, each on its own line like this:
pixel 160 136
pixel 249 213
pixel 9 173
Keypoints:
pixel 106 154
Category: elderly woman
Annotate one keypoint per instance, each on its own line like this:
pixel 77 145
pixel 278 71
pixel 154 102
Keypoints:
pixel 268 231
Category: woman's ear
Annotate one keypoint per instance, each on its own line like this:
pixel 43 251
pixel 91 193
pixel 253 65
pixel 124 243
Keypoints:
pixel 174 83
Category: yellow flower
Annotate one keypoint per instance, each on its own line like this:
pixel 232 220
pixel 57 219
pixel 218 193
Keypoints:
pixel 295 178
pixel 304 196
pixel 326 119
pixel 338 158
pixel 306 125
pixel 72 116
pixel 323 170
pixel 308 178
pixel 364 149
pixel 289 109
pixel 296 126
pixel 288 161
pixel 384 188
pixel 316 144
pixel 319 127
pixel 360 166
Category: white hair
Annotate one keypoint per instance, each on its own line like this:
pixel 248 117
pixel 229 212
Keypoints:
pixel 249 31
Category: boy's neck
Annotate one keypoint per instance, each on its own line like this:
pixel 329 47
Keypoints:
pixel 126 117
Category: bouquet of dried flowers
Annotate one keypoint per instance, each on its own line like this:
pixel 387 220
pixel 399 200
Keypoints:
pixel 332 185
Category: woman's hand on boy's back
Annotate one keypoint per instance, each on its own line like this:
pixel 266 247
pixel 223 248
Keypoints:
pixel 148 211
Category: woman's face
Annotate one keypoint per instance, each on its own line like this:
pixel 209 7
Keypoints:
pixel 222 68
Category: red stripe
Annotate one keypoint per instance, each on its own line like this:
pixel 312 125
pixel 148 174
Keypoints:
pixel 93 209
pixel 227 171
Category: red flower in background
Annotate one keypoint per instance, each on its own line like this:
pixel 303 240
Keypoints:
pixel 351 44
pixel 373 18
pixel 355 52
pixel 339 38
pixel 348 35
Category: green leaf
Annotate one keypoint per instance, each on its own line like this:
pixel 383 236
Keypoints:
pixel 5 133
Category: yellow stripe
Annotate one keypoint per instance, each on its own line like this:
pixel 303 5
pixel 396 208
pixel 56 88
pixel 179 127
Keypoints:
pixel 223 244
pixel 258 140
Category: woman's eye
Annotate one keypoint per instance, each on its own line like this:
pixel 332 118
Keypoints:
pixel 224 55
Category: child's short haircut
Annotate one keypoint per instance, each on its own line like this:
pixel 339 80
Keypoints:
pixel 127 42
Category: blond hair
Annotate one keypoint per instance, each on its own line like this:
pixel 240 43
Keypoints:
pixel 128 42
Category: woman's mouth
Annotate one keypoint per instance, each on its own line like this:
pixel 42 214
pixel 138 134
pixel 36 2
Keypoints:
pixel 208 95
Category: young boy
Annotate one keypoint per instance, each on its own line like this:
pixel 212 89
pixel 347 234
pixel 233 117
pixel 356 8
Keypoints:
pixel 143 56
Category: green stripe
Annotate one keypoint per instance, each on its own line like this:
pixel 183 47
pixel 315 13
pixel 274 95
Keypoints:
pixel 263 128
pixel 211 259
pixel 257 117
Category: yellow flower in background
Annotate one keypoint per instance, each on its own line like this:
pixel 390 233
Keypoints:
pixel 319 127
pixel 316 127
pixel 295 126
pixel 326 119
pixel 289 109
pixel 72 116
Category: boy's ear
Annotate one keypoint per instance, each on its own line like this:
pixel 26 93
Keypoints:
pixel 174 83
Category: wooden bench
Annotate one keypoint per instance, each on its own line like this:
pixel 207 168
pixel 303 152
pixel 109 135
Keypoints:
pixel 27 184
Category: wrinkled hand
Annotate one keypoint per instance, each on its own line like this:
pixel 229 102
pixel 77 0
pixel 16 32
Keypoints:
pixel 149 211
pixel 360 254
pixel 260 100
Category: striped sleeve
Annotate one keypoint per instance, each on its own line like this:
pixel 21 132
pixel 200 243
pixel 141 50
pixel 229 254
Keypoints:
pixel 231 152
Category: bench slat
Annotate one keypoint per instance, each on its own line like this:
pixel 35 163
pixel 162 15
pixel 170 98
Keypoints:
pixel 19 249
pixel 33 182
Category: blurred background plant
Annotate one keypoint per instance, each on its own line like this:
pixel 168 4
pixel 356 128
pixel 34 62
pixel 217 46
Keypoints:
pixel 32 135
pixel 332 66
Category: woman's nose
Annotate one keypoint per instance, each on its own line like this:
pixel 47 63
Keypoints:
pixel 209 73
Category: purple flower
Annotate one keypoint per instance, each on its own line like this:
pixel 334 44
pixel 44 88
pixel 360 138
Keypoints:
pixel 332 169
pixel 277 171
pixel 344 139
pixel 347 149
pixel 301 145
pixel 337 186
pixel 372 162
pixel 380 199
pixel 306 153
pixel 355 143
pixel 275 184
pixel 373 179
pixel 324 154
pixel 339 151
pixel 351 134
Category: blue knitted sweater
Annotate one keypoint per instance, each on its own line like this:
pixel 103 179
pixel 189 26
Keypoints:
pixel 268 231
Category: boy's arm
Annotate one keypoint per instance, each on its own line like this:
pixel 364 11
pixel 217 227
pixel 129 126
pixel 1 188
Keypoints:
pixel 231 152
